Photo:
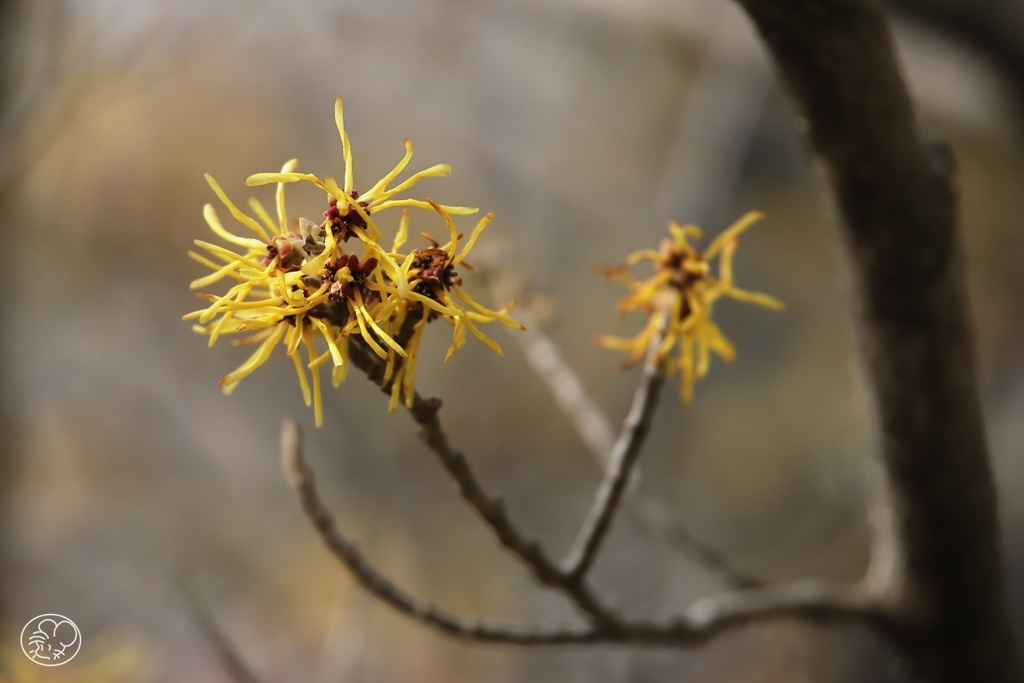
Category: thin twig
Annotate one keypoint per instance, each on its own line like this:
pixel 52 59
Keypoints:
pixel 223 648
pixel 810 599
pixel 718 120
pixel 707 618
pixel 594 429
pixel 596 432
pixel 620 466
pixel 301 477
pixel 655 512
pixel 490 508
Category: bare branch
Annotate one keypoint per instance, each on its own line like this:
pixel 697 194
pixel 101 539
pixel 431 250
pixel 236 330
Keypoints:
pixel 223 649
pixel 594 429
pixel 655 512
pixel 301 477
pixel 809 599
pixel 491 509
pixel 596 432
pixel 624 456
pixel 703 621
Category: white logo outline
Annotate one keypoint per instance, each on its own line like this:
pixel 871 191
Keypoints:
pixel 41 638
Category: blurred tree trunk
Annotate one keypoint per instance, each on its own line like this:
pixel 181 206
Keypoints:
pixel 895 198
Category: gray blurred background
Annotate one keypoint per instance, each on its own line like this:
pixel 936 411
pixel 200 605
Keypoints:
pixel 584 126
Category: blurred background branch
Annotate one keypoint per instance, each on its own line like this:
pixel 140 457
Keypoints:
pixel 991 28
pixel 221 646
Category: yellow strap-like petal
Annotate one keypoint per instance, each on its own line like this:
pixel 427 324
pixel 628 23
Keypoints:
pixel 481 224
pixel 396 390
pixel 251 339
pixel 341 371
pixel 239 216
pixel 210 214
pixel 307 397
pixel 219 302
pixel 199 258
pixel 458 338
pixel 453 244
pixel 408 378
pixel 293 338
pixel 332 345
pixel 420 204
pixel 318 410
pixel 346 147
pixel 482 337
pixel 617 343
pixel 367 337
pixel 287 294
pixel 733 231
pixel 437 171
pixel 758 298
pixel 261 213
pixel 496 315
pixel 282 212
pixel 257 179
pixel 231 380
pixel 220 273
pixel 426 301
pixel 361 307
pixel 229 256
pixel 403 231
pixel 682 232
pixel 638 256
pixel 382 184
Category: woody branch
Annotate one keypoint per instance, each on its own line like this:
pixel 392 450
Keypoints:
pixel 596 432
pixel 705 619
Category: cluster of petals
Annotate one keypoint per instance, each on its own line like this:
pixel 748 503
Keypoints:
pixel 300 283
pixel 679 300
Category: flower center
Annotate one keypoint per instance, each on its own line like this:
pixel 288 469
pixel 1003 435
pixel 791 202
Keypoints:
pixel 343 222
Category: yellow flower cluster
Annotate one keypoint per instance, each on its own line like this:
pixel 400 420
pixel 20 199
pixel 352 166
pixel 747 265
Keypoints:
pixel 679 299
pixel 295 284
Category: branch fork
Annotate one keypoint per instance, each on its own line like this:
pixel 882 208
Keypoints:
pixel 701 622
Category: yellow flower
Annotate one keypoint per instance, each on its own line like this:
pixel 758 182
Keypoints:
pixel 680 297
pixel 348 211
pixel 294 283
pixel 436 292
pixel 286 291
